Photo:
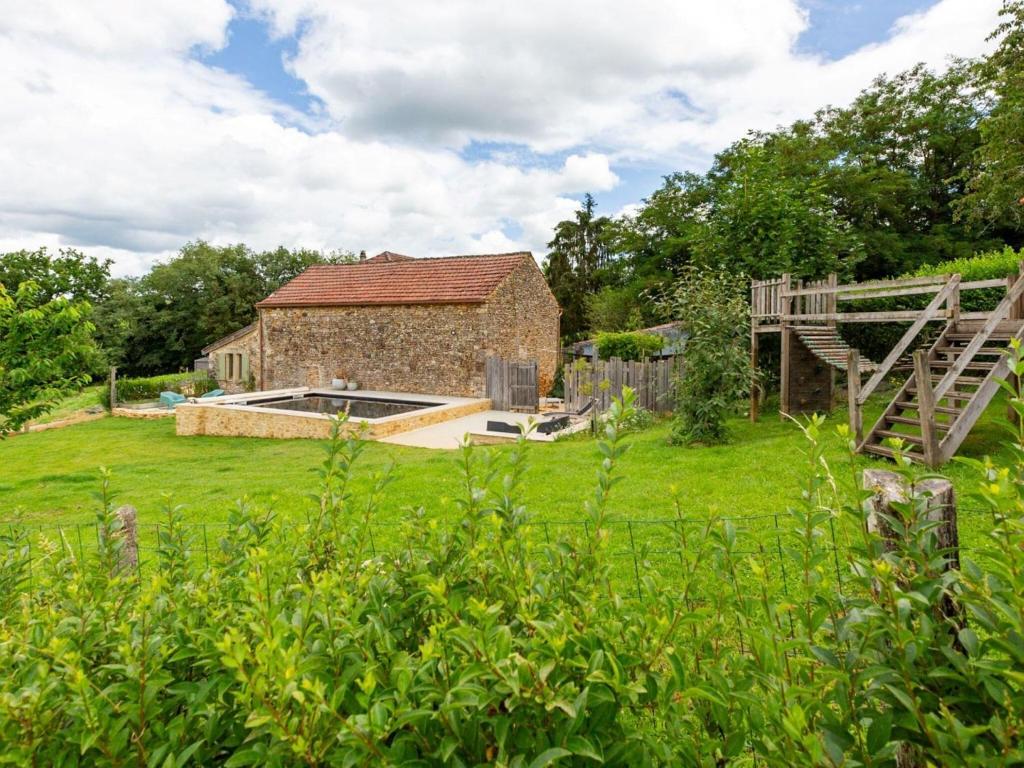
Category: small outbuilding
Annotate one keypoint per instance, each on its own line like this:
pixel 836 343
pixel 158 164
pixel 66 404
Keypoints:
pixel 396 323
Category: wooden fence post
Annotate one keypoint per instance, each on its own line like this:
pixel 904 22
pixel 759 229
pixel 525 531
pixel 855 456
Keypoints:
pixel 786 306
pixel 890 488
pixel 129 533
pixel 926 408
pixel 852 393
pixel 113 387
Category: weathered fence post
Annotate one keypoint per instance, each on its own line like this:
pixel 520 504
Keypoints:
pixel 113 387
pixel 926 408
pixel 852 393
pixel 889 488
pixel 129 534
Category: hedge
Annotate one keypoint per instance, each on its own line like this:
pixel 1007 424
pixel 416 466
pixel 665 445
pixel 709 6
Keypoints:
pixel 628 345
pixel 136 389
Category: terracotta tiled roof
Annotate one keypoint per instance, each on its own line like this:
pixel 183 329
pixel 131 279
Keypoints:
pixel 229 338
pixel 389 256
pixel 449 280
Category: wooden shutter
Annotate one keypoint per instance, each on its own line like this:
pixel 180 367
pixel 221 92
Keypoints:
pixel 244 367
pixel 222 372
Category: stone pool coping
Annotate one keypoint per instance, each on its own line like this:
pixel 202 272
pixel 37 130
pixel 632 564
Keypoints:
pixel 229 416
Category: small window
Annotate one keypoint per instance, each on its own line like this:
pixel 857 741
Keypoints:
pixel 233 367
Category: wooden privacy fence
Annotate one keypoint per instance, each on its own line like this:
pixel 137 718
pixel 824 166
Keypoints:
pixel 511 384
pixel 604 380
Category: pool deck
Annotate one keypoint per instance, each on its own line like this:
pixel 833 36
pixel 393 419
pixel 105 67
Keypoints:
pixel 450 434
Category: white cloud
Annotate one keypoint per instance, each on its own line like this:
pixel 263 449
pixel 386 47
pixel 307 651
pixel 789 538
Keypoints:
pixel 115 139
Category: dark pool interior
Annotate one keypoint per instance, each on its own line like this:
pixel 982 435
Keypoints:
pixel 358 407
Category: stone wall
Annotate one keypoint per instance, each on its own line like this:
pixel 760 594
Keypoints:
pixel 810 380
pixel 200 418
pixel 430 348
pixel 523 322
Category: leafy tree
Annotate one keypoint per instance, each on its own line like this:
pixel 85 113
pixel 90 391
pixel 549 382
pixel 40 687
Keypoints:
pixel 577 257
pixel 71 273
pixel 996 182
pixel 712 306
pixel 160 322
pixel 764 221
pixel 46 352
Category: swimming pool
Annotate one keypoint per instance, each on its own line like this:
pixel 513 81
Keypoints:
pixel 356 406
pixel 306 412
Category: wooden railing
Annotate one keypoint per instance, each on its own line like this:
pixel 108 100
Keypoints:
pixel 949 295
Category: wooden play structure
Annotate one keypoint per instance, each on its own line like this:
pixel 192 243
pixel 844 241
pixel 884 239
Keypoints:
pixel 953 360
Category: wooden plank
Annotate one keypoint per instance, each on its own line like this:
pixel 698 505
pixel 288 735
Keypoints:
pixel 864 317
pixel 852 392
pixel 869 285
pixel 926 408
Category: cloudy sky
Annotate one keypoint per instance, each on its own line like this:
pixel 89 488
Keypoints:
pixel 429 128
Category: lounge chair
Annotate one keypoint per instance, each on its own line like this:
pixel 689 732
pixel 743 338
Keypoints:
pixel 212 393
pixel 171 399
pixel 554 421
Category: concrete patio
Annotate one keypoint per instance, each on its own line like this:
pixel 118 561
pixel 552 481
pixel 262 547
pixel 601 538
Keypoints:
pixel 450 434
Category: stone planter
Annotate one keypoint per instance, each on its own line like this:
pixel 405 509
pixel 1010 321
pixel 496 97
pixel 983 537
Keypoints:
pixel 338 384
pixel 353 385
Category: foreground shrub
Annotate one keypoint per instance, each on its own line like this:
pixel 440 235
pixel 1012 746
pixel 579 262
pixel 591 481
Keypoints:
pixel 479 644
pixel 149 388
pixel 627 345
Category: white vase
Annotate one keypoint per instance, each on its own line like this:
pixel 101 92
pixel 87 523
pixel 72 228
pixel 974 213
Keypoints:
pixel 338 383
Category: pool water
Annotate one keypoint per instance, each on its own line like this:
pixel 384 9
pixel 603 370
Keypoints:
pixel 357 407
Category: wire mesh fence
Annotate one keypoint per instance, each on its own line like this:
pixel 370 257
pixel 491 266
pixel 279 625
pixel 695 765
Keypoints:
pixel 658 550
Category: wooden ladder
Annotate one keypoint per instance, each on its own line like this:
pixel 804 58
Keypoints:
pixel 953 382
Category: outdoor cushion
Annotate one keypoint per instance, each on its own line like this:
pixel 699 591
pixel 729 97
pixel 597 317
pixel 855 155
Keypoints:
pixel 212 393
pixel 171 399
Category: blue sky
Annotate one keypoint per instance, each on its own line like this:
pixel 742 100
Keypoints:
pixel 454 126
pixel 837 29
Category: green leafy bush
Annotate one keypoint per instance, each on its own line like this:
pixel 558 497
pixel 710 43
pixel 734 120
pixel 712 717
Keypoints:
pixel 481 643
pixel 136 389
pixel 627 345
pixel 713 307
pixel 981 266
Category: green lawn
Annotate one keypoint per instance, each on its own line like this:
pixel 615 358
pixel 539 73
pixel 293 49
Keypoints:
pixel 69 406
pixel 52 476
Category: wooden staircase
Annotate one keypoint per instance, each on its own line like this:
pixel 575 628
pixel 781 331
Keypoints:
pixel 960 372
pixel 825 343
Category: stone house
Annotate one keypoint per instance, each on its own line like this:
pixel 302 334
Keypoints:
pixel 396 323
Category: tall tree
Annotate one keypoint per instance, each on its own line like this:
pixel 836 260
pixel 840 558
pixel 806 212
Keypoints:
pixel 996 185
pixel 578 255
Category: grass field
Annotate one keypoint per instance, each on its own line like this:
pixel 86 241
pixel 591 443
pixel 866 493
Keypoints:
pixel 52 476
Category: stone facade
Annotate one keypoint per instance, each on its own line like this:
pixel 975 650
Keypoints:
pixel 429 348
pixel 242 372
pixel 198 418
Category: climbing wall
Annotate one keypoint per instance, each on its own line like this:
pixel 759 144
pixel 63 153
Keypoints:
pixel 808 382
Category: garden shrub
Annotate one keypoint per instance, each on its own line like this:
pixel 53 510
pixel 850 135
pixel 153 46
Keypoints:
pixel 481 643
pixel 627 345
pixel 714 309
pixel 190 384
